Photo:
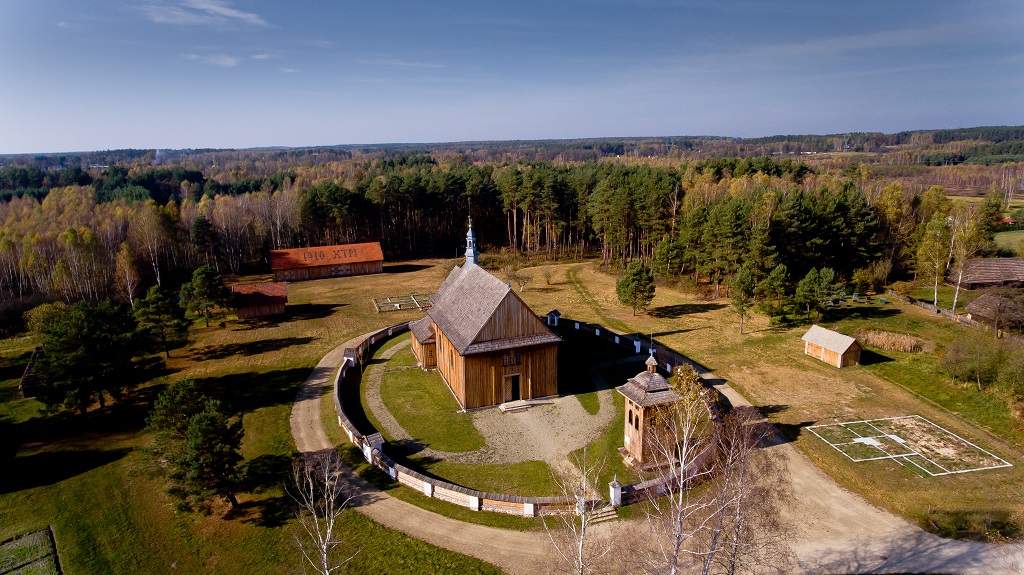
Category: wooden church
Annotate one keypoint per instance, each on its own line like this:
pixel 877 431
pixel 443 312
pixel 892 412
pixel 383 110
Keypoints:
pixel 486 343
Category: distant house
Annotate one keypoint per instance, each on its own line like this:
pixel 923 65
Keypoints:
pixel 260 299
pixel 326 261
pixel 831 347
pixel 991 272
pixel 486 343
pixel 995 310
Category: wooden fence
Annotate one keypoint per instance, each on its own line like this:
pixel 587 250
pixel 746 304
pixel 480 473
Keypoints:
pixel 372 445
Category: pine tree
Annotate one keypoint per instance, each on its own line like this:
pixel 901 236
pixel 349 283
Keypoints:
pixel 161 317
pixel 742 292
pixel 204 294
pixel 635 286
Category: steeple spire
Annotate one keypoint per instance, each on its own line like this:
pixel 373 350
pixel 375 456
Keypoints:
pixel 471 252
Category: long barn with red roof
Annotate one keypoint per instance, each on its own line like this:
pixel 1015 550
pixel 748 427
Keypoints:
pixel 326 261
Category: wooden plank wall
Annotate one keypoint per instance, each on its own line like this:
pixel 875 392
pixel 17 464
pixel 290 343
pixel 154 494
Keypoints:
pixel 260 311
pixel 485 375
pixel 332 271
pixel 451 365
pixel 512 318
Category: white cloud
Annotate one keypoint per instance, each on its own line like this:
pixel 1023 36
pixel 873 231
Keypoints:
pixel 288 70
pixel 261 56
pixel 222 60
pixel 200 12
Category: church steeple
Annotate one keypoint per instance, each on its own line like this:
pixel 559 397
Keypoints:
pixel 472 255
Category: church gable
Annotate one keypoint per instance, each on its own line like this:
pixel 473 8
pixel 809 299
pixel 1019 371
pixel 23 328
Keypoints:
pixel 511 319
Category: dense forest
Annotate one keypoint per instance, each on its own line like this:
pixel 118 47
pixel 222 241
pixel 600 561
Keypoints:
pixel 86 227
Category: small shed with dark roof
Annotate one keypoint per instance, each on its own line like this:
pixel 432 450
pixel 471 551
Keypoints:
pixel 831 347
pixel 645 394
pixel 992 272
pixel 326 261
pixel 260 299
pixel 996 310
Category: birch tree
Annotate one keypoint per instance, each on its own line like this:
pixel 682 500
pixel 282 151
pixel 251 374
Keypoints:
pixel 933 255
pixel 965 242
pixel 322 495
pixel 580 550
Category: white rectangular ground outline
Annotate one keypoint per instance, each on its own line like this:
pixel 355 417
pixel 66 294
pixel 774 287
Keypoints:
pixel 910 440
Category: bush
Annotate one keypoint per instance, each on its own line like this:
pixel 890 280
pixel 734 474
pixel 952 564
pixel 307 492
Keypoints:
pixel 903 288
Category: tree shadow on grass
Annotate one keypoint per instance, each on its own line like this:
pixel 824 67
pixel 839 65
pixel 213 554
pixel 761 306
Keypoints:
pixel 252 390
pixel 296 312
pixel 49 467
pixel 679 310
pixel 261 475
pixel 859 312
pixel 404 268
pixel 246 349
pixel 790 431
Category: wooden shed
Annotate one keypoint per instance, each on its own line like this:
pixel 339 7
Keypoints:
pixel 260 299
pixel 645 394
pixel 831 347
pixel 490 348
pixel 992 272
pixel 326 261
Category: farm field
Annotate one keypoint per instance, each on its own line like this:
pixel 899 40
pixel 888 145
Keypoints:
pixel 94 483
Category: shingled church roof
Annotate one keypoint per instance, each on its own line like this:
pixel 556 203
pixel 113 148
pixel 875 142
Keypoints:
pixel 466 301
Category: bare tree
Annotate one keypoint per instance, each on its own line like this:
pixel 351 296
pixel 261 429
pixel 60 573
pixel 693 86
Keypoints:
pixel 745 536
pixel 580 551
pixel 682 439
pixel 322 495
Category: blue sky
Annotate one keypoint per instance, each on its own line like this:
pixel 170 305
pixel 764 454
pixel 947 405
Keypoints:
pixel 85 75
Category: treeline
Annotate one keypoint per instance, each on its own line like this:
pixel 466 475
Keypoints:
pixel 135 226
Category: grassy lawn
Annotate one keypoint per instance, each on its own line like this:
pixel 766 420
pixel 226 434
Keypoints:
pixel 1010 240
pixel 926 294
pixel 423 406
pixel 91 479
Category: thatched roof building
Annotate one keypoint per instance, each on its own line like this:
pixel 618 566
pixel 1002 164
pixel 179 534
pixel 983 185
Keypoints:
pixel 992 272
pixel 996 310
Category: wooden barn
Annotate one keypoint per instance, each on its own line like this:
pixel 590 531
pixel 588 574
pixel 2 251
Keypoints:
pixel 645 394
pixel 260 299
pixel 997 311
pixel 488 345
pixel 991 272
pixel 831 347
pixel 326 262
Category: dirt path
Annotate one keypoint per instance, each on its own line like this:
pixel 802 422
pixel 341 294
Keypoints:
pixel 836 531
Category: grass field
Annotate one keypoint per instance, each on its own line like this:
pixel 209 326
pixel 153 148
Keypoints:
pixel 1011 241
pixel 92 480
